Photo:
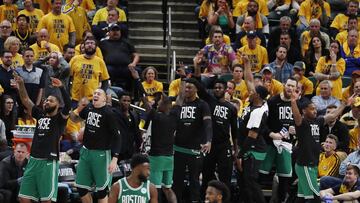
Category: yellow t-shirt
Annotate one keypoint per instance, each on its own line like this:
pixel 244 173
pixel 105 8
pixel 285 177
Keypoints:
pixel 346 93
pixel 324 67
pixel 258 57
pixel 58 26
pixel 305 41
pixel 226 40
pixel 307 85
pixel 328 166
pixel 275 88
pixel 356 53
pixel 340 22
pixel 42 52
pixel 9 13
pixel 310 10
pixel 244 41
pixel 31 121
pixel 34 17
pixel 45 5
pixel 152 88
pixel 86 4
pixel 241 8
pixel 342 37
pixel 98 52
pixel 174 87
pixel 102 14
pixel 71 128
pixel 241 91
pixel 87 75
pixel 1 90
pixel 205 8
pixel 79 17
pixel 353 142
pixel 17 60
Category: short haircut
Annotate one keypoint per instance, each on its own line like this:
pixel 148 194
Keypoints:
pixel 352 1
pixel 68 46
pixel 23 16
pixel 225 192
pixel 218 32
pixel 253 1
pixel 352 17
pixel 282 46
pixel 293 79
pixel 123 94
pixel 304 104
pixel 237 65
pixel 117 12
pixel 232 82
pixel 331 106
pixel 223 82
pixel 138 159
pixel 315 20
pixel 4 52
pixel 331 136
pixel 354 168
pixel 28 49
pixel 285 18
pixel 262 91
pixel 328 82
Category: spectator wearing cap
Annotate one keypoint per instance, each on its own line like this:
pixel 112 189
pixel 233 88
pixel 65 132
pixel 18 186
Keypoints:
pixel 79 17
pixel 216 59
pixel 331 67
pixel 23 32
pixel 281 69
pixel 102 14
pixel 329 161
pixel 118 62
pixel 352 88
pixel 101 29
pixel 241 36
pixel 257 54
pixel 34 14
pixel 253 10
pixel 348 189
pixel 314 31
pixel 351 52
pixel 299 71
pixel 273 86
pixel 325 98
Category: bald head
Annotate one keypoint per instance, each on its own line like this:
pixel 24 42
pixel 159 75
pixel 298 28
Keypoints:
pixel 42 35
pixel 249 23
pixel 5 29
pixel 353 37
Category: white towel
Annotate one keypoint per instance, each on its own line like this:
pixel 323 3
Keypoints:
pixel 280 145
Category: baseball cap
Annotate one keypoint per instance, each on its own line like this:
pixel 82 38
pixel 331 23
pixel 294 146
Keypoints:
pixel 258 75
pixel 266 68
pixel 356 102
pixel 299 65
pixel 356 73
pixel 251 34
pixel 114 27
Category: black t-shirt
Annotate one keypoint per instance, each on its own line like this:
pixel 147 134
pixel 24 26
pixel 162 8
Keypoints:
pixel 45 144
pixel 117 52
pixel 308 135
pixel 280 114
pixel 162 132
pixel 100 129
pixel 190 129
pixel 254 118
pixel 341 188
pixel 224 118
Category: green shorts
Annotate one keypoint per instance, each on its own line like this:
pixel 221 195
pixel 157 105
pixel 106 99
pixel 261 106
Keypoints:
pixel 307 185
pixel 40 180
pixel 92 169
pixel 281 161
pixel 161 171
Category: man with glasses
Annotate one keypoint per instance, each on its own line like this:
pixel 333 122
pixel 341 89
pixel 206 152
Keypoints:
pixel 6 74
pixel 5 32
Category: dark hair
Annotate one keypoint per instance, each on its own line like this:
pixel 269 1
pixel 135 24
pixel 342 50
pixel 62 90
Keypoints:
pixel 331 106
pixel 293 79
pixel 138 159
pixel 225 192
pixel 68 46
pixel 354 168
pixel 352 1
pixel 223 82
pixel 338 55
pixel 331 136
pixel 282 46
pixel 123 94
pixel 24 16
pixel 4 51
pixel 218 32
pixel 304 104
pixel 27 49
pixel 352 17
pixel 232 82
pixel 193 81
pixel 262 91
pixel 143 74
pixel 237 65
pixel 12 116
pixel 253 1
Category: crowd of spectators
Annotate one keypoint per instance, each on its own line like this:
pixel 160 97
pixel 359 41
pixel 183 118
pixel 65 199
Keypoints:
pixel 237 109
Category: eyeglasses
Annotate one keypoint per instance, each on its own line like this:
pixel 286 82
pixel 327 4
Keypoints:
pixel 5 27
pixel 9 102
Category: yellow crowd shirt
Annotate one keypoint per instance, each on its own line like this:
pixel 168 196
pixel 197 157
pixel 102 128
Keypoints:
pixel 353 142
pixel 258 21
pixel 102 14
pixel 241 8
pixel 226 40
pixel 71 128
pixel 328 166
pixel 41 52
pixel 45 5
pixel 355 54
pixel 241 91
pixel 258 57
pixel 58 26
pixel 324 67
pixel 174 87
pixel 342 37
pixel 34 17
pixel 88 5
pixel 310 10
pixel 307 85
pixel 29 121
pixel 205 8
pixel 79 18
pixel 17 60
pixel 305 41
pixel 340 22
pixel 244 41
pixel 152 88
pixel 9 12
pixel 98 52
pixel 87 75
pixel 1 90
pixel 346 93
pixel 275 88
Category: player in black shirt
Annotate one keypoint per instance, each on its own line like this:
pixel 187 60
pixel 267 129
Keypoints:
pixel 194 128
pixel 101 136
pixel 224 119
pixel 252 143
pixel 281 128
pixel 40 178
pixel 307 128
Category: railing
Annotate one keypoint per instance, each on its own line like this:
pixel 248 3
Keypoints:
pixel 167 35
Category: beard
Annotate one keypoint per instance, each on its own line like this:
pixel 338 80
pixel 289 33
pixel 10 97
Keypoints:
pixel 142 178
pixel 90 51
pixel 49 109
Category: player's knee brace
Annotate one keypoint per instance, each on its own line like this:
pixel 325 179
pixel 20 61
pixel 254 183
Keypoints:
pixel 82 192
pixel 101 194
